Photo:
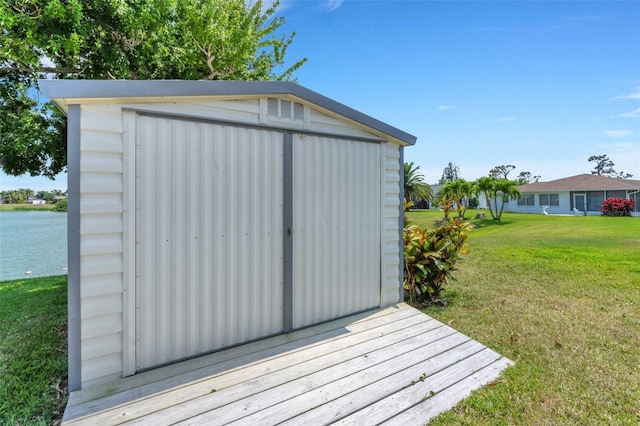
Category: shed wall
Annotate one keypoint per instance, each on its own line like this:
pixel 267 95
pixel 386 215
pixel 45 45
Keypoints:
pixel 104 206
pixel 336 228
pixel 209 237
pixel 391 281
pixel 101 227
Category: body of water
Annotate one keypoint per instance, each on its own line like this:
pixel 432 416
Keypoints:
pixel 33 241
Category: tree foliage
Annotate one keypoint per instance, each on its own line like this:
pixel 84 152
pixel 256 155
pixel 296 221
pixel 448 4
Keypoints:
pixel 604 167
pixel 450 173
pixel 459 191
pixel 495 189
pixel 415 188
pixel 502 171
pixel 121 39
pixel 16 196
pixel 526 177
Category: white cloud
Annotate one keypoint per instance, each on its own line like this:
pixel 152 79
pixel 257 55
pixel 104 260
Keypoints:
pixel 503 119
pixel 332 5
pixel 632 114
pixel 634 95
pixel 617 133
pixel 445 107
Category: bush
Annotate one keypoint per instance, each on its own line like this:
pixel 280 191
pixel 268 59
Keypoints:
pixel 61 206
pixel 617 207
pixel 430 255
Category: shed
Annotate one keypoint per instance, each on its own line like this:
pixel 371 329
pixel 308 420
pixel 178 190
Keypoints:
pixel 208 214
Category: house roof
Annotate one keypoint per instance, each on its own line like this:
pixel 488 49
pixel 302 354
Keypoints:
pixel 65 92
pixel 584 182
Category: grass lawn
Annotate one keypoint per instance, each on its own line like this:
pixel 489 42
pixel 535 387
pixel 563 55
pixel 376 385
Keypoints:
pixel 561 297
pixel 33 352
pixel 26 207
pixel 558 295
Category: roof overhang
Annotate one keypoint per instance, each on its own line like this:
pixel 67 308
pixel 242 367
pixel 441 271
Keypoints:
pixel 66 92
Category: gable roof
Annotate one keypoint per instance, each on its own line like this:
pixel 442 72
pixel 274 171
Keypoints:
pixel 583 182
pixel 64 92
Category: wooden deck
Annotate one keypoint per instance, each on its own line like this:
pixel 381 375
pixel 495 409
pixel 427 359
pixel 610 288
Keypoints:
pixel 393 366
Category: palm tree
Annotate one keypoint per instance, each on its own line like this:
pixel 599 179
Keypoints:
pixel 508 190
pixel 485 185
pixel 415 189
pixel 460 191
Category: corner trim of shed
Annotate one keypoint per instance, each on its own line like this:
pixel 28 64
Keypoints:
pixel 73 242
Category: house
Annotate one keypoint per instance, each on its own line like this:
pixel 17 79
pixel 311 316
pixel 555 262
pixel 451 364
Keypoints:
pixel 208 214
pixel 584 193
pixel 35 201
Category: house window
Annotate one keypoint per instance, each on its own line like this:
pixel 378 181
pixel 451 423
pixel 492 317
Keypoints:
pixel 282 108
pixel 616 194
pixel 526 200
pixel 594 200
pixel 552 200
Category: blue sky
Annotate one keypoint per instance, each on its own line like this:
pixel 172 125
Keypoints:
pixel 540 85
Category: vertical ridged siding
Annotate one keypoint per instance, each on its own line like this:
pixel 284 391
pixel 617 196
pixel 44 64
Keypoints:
pixel 336 228
pixel 209 237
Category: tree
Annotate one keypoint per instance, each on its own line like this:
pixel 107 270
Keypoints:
pixel 17 196
pixel 121 39
pixel 494 189
pixel 604 167
pixel 415 189
pixel 502 171
pixel 507 190
pixel 526 177
pixel 460 191
pixel 484 186
pixel 450 173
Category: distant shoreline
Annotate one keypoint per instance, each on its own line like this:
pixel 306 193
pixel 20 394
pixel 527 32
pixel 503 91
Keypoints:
pixel 27 207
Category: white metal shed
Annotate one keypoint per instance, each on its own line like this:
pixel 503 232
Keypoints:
pixel 204 215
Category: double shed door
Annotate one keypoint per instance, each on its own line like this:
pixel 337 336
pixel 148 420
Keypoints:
pixel 211 266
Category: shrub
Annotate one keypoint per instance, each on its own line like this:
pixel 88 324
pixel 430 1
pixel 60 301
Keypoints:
pixel 617 207
pixel 61 206
pixel 430 255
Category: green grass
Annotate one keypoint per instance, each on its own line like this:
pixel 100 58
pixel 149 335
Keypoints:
pixel 561 297
pixel 558 295
pixel 33 355
pixel 26 207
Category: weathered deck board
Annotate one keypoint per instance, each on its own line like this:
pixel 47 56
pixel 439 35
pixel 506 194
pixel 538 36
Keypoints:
pixel 364 367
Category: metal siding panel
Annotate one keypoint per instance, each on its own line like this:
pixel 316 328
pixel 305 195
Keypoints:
pixel 337 228
pixel 101 223
pixel 100 203
pixel 392 224
pixel 98 264
pixel 101 182
pixel 100 326
pixel 216 279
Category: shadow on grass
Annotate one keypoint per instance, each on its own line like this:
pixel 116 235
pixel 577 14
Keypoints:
pixel 450 297
pixel 486 223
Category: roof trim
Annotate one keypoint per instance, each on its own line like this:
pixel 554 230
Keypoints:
pixel 110 89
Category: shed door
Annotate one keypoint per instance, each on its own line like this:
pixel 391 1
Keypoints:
pixel 208 237
pixel 336 228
